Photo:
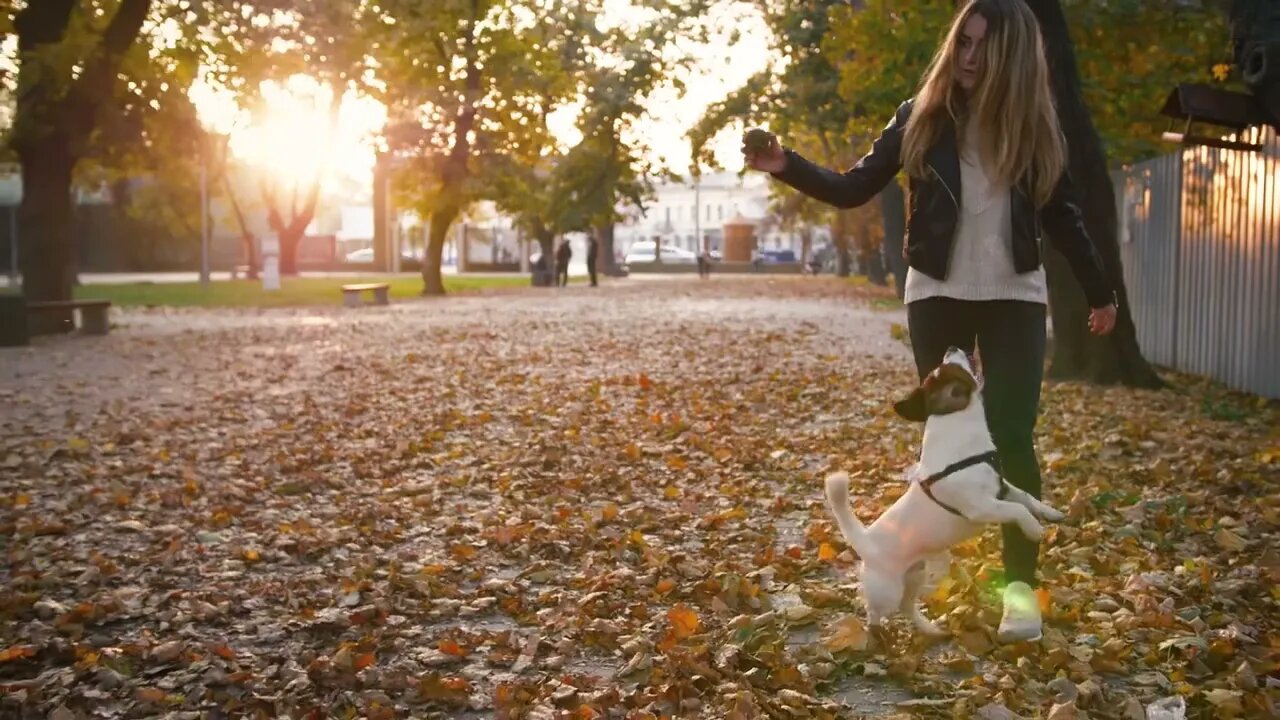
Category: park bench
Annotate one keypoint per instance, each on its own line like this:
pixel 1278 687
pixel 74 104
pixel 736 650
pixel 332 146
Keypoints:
pixel 93 313
pixel 351 293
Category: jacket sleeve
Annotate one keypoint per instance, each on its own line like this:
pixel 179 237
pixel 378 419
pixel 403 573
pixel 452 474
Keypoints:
pixel 1061 217
pixel 861 182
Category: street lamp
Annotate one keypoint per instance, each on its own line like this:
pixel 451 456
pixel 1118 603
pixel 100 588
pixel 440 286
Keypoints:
pixel 214 137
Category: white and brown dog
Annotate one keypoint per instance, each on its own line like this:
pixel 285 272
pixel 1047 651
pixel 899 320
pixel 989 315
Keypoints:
pixel 954 490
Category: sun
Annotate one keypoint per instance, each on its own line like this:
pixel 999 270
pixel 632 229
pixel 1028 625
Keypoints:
pixel 291 137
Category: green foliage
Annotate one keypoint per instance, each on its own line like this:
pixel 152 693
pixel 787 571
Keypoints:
pixel 801 103
pixel 552 55
pixel 881 52
pixel 608 170
pixel 1130 54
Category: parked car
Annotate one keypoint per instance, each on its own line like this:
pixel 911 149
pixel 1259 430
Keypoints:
pixel 365 255
pixel 771 257
pixel 643 252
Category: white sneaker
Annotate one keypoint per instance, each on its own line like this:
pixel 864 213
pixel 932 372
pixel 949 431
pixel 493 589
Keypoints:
pixel 1021 619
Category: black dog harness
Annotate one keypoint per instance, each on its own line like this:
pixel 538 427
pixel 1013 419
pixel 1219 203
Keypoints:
pixel 989 458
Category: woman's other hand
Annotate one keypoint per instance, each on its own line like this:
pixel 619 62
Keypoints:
pixel 762 152
pixel 1102 320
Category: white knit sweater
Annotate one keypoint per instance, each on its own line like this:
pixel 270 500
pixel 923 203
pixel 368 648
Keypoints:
pixel 982 254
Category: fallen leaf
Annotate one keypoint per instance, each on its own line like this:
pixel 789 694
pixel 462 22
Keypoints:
pixel 847 633
pixel 684 621
pixel 150 695
pixel 1229 540
pixel 17 652
pixel 826 552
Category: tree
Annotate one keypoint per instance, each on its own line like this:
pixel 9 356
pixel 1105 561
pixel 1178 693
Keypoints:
pixel 69 65
pixel 472 75
pixel 279 41
pixel 608 172
pixel 1129 54
pixel 881 51
pixel 438 69
pixel 803 105
pixel 1115 358
pixel 519 166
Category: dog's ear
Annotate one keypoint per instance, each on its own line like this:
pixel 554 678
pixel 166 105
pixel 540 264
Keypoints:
pixel 913 407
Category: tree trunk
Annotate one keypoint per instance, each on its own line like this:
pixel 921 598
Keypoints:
pixel 45 230
pixel 840 238
pixel 290 239
pixel 455 172
pixel 806 245
pixel 246 236
pixel 869 256
pixel 547 245
pixel 441 220
pixel 54 117
pixel 893 215
pixel 1077 353
pixel 291 232
pixel 606 262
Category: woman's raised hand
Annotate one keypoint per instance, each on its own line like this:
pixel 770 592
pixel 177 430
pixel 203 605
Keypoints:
pixel 762 152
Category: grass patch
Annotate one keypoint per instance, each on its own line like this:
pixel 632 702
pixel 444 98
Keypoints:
pixel 294 292
pixel 886 303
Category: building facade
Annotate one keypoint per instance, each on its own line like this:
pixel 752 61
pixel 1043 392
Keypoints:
pixel 686 210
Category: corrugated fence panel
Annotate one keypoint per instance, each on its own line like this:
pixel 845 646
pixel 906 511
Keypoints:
pixel 1150 212
pixel 1200 241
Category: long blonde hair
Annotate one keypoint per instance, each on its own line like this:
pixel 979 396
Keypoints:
pixel 1020 139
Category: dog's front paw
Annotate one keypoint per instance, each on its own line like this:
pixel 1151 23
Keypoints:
pixel 928 629
pixel 1052 514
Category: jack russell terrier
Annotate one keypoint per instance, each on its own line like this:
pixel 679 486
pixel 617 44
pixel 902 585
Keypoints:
pixel 954 489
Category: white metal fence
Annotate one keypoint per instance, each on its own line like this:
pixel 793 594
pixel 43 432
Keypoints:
pixel 1200 242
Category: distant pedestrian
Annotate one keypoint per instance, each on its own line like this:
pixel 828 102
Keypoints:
pixel 563 254
pixel 593 251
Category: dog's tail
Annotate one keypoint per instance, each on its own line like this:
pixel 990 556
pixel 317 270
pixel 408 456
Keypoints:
pixel 838 498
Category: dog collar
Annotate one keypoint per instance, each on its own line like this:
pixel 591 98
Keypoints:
pixel 990 458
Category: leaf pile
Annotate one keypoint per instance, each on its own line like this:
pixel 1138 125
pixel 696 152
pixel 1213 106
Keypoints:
pixel 586 505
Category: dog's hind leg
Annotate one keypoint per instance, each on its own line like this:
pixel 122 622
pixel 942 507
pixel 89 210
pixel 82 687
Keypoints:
pixel 916 580
pixel 882 591
pixel 1005 511
pixel 1037 508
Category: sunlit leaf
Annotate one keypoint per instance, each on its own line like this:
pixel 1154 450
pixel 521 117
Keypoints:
pixel 684 621
pixel 847 633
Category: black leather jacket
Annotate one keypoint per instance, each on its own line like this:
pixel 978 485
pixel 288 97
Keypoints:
pixel 935 203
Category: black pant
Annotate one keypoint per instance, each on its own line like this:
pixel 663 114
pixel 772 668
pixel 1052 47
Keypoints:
pixel 1010 336
pixel 562 274
pixel 591 269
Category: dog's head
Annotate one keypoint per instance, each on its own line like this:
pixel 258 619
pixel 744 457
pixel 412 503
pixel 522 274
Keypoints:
pixel 949 388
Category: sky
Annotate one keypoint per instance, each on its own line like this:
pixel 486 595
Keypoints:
pixel 285 141
pixel 721 66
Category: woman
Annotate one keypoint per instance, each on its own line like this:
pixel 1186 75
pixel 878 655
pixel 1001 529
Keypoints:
pixel 986 163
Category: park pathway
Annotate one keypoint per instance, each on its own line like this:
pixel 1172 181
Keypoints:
pixel 590 501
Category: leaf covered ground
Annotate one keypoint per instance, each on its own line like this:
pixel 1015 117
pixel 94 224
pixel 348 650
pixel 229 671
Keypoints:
pixel 584 504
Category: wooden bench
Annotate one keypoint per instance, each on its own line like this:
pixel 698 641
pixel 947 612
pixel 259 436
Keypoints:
pixel 351 293
pixel 93 313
